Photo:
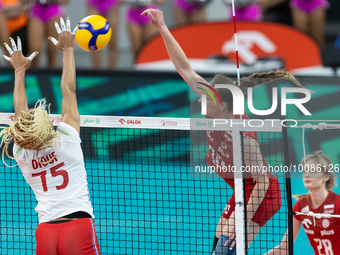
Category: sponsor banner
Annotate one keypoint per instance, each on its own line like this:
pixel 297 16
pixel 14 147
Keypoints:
pixel 256 40
pixel 161 123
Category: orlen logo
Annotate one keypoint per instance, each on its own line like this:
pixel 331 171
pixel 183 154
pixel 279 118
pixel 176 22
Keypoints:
pixel 130 121
pixel 11 117
pixel 246 42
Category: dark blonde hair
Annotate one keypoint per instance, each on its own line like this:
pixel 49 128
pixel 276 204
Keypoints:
pixel 250 82
pixel 326 163
pixel 31 131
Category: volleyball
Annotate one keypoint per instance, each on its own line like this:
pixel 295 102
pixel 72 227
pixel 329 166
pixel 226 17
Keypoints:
pixel 94 33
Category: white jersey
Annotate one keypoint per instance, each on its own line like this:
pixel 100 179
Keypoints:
pixel 60 186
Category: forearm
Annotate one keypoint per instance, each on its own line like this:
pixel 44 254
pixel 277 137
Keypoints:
pixel 68 78
pixel 19 93
pixel 176 54
pixel 257 196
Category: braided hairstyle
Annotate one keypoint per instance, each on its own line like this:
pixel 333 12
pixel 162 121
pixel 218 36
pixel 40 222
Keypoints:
pixel 250 82
pixel 32 131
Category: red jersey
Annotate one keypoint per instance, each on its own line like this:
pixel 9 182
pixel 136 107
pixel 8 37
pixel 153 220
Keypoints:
pixel 324 236
pixel 221 154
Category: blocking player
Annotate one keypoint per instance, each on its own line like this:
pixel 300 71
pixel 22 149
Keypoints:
pixel 52 162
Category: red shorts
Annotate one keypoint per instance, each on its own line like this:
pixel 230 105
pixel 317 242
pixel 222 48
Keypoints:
pixel 75 237
pixel 270 205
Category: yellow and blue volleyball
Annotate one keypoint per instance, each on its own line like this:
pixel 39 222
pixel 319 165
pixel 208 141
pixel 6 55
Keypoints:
pixel 94 33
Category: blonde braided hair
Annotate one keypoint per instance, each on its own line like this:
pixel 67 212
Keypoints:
pixel 32 131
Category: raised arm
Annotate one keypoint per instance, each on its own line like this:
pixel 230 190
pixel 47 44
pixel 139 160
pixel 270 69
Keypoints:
pixel 20 65
pixel 66 43
pixel 174 50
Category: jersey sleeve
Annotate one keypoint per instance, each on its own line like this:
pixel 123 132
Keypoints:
pixel 68 133
pixel 337 208
pixel 296 208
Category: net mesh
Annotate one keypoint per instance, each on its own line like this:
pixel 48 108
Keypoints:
pixel 145 196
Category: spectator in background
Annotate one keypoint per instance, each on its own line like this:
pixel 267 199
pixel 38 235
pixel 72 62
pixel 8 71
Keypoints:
pixel 245 10
pixel 16 19
pixel 310 17
pixel 109 10
pixel 189 11
pixel 43 15
pixel 3 28
pixel 276 11
pixel 140 28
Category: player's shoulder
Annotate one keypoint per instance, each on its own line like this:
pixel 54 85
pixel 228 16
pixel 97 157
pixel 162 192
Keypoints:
pixel 68 132
pixel 303 203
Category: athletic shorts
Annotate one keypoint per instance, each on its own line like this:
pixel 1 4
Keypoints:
pixel 308 6
pixel 102 6
pixel 249 13
pixel 45 13
pixel 187 7
pixel 270 205
pixel 75 237
pixel 133 15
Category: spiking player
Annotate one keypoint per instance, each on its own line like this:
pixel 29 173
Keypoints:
pixel 263 193
pixel 52 162
pixel 324 234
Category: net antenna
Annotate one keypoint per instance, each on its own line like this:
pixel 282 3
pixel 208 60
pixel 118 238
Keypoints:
pixel 239 189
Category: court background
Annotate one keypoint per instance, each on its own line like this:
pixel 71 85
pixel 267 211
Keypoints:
pixel 166 95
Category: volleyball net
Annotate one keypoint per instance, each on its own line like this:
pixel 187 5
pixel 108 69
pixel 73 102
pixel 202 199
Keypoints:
pixel 147 193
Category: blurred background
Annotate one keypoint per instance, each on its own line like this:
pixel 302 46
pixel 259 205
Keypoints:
pixel 216 10
pixel 272 34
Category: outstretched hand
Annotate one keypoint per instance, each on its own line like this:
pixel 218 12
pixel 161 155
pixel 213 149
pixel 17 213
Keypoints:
pixel 156 17
pixel 18 60
pixel 66 38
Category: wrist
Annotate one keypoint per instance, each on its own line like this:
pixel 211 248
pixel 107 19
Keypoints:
pixel 68 49
pixel 20 70
pixel 162 28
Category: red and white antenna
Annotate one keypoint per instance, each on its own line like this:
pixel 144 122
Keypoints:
pixel 236 45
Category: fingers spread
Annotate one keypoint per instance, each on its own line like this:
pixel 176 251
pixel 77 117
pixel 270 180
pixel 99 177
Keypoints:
pixel 57 28
pixel 75 29
pixel 5 57
pixel 19 44
pixel 8 49
pixel 68 25
pixel 14 47
pixel 62 24
pixel 53 40
pixel 32 56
